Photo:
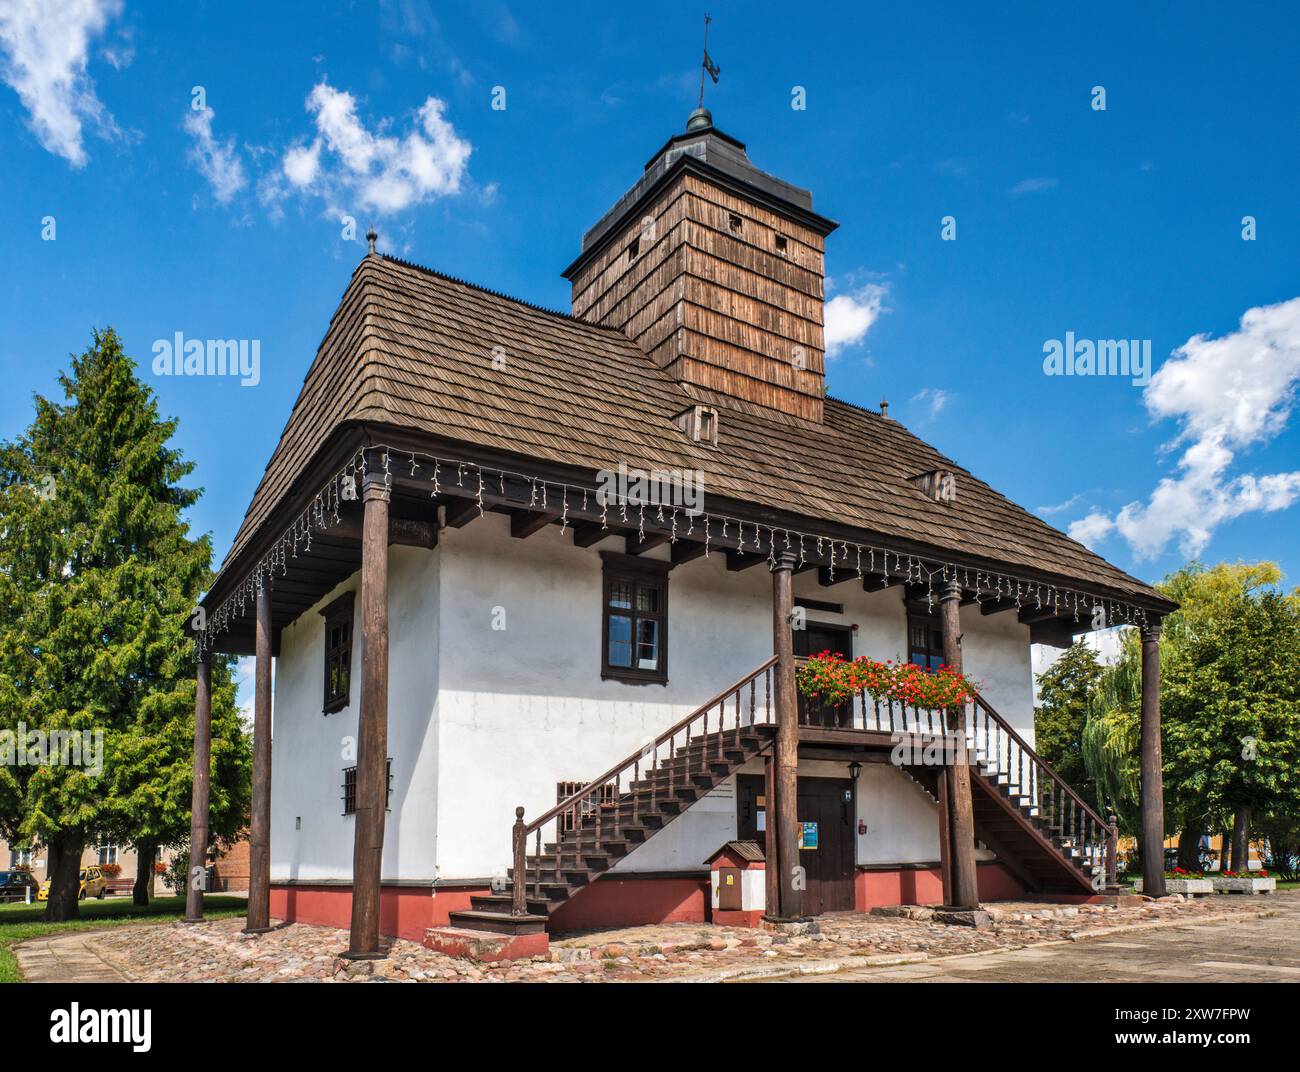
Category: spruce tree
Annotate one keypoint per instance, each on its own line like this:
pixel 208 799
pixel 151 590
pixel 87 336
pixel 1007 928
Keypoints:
pixel 98 576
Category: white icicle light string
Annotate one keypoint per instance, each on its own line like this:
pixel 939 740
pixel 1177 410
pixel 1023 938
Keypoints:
pixel 322 513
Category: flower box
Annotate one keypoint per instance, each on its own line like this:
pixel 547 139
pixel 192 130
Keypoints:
pixel 1240 884
pixel 1188 887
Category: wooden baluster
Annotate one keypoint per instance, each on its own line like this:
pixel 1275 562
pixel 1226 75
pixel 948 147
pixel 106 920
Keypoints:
pixel 519 852
pixel 753 694
pixel 652 772
pixel 537 889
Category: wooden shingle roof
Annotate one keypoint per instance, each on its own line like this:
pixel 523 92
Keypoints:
pixel 411 348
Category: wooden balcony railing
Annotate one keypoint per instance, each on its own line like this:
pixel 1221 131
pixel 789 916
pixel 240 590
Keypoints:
pixel 1003 756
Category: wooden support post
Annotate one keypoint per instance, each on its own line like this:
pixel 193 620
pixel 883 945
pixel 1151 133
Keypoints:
pixel 961 812
pixel 259 837
pixel 197 883
pixel 1112 851
pixel 945 840
pixel 772 874
pixel 1153 796
pixel 372 733
pixel 790 898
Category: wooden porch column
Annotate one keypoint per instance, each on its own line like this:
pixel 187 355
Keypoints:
pixel 372 733
pixel 259 837
pixel 1153 794
pixel 771 874
pixel 790 898
pixel 961 813
pixel 202 783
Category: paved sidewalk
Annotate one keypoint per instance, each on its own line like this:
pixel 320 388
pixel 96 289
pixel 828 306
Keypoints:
pixel 1264 950
pixel 71 957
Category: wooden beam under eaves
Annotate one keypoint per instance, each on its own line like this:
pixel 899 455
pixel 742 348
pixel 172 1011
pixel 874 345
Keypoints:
pixel 461 512
pixel 687 551
pixel 737 561
pixel 997 606
pixel 523 523
pixel 825 578
pixel 586 533
pixel 1034 615
pixel 639 545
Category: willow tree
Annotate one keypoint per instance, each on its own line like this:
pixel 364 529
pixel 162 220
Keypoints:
pixel 98 575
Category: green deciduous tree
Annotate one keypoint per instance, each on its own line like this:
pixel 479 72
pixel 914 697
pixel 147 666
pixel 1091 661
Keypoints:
pixel 98 574
pixel 1230 705
pixel 1064 694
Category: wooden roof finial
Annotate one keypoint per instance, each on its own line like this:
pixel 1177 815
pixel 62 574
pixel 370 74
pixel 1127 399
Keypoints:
pixel 372 236
pixel 884 407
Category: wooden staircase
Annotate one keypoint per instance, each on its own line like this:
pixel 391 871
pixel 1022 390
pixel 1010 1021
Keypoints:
pixel 1037 826
pixel 594 828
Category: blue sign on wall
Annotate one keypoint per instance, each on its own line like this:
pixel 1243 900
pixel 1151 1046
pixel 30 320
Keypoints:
pixel 808 835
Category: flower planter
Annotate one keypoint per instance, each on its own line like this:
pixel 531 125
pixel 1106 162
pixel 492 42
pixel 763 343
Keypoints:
pixel 1188 887
pixel 1245 885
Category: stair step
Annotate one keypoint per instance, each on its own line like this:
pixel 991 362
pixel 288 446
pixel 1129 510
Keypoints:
pixel 497 922
pixel 502 903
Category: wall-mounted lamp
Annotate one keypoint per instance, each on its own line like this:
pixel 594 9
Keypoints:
pixel 855 768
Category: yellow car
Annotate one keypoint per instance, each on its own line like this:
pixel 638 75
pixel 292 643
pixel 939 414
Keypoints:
pixel 93 884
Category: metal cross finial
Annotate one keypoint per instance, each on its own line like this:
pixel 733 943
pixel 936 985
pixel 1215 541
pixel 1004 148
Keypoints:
pixel 707 66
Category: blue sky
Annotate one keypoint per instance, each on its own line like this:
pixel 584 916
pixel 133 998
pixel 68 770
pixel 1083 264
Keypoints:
pixel 224 220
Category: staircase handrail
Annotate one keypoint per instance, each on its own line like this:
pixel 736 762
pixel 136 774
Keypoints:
pixel 632 762
pixel 1034 757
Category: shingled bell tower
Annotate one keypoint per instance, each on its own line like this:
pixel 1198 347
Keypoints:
pixel 716 269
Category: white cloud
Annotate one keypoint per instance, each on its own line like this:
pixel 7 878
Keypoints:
pixel 849 316
pixel 45 47
pixel 1032 186
pixel 1227 394
pixel 218 161
pixel 347 164
pixel 1091 530
pixel 933 398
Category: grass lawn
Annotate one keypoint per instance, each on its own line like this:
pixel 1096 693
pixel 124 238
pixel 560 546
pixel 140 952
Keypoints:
pixel 18 922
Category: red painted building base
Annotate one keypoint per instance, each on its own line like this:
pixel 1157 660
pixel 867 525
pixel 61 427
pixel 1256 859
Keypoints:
pixel 923 886
pixel 404 911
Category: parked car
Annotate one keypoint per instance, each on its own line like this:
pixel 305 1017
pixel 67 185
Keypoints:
pixel 15 884
pixel 93 884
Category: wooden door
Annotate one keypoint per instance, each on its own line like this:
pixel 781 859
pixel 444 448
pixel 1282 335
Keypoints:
pixel 827 858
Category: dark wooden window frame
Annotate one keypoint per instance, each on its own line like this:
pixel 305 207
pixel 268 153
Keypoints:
pixel 349 788
pixel 919 617
pixel 337 613
pixel 640 572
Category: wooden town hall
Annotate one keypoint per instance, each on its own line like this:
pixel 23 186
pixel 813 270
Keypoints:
pixel 515 694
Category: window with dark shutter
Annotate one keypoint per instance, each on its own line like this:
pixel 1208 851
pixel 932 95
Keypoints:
pixel 350 789
pixel 634 619
pixel 338 652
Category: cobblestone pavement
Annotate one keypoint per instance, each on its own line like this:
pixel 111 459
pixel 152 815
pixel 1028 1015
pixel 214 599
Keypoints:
pixel 849 943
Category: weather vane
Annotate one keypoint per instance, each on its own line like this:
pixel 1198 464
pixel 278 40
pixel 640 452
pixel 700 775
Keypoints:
pixel 708 66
